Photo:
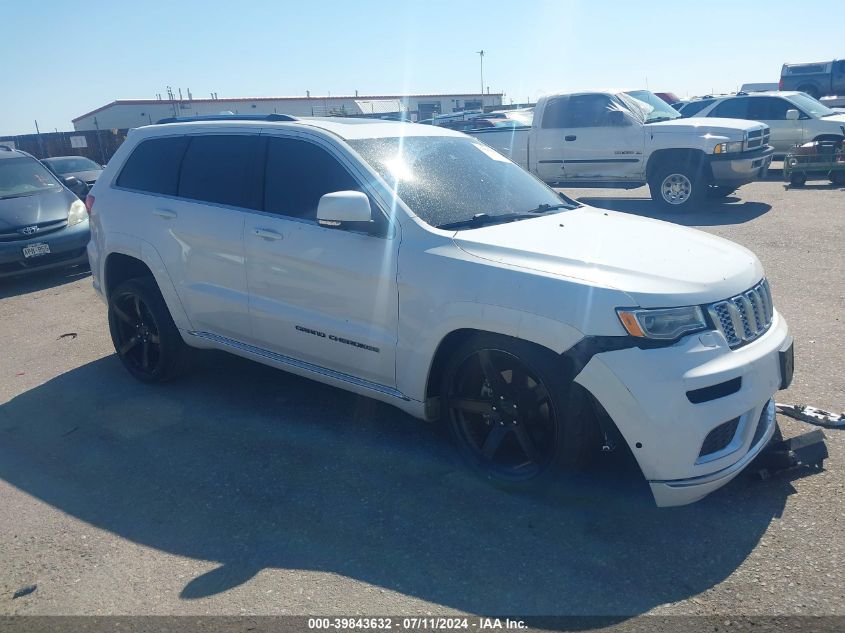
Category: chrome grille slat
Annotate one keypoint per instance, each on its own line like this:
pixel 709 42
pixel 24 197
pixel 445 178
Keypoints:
pixel 744 318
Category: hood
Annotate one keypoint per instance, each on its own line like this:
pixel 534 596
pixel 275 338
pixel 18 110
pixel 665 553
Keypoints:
pixel 836 119
pixel 703 125
pixel 49 206
pixel 658 264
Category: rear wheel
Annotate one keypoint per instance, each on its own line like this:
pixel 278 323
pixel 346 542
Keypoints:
pixel 143 333
pixel 837 177
pixel 678 188
pixel 810 90
pixel 512 412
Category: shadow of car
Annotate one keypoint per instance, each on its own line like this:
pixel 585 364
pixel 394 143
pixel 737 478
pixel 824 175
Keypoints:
pixel 253 469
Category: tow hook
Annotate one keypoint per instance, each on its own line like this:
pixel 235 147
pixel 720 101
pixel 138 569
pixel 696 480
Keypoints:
pixel 808 449
pixel 811 415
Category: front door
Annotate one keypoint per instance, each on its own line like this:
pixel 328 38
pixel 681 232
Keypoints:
pixel 785 133
pixel 326 296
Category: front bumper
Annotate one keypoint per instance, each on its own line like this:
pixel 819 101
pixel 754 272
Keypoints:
pixel 739 169
pixel 67 248
pixel 645 391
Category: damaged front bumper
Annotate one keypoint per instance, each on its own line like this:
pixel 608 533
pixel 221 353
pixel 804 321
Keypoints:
pixel 671 404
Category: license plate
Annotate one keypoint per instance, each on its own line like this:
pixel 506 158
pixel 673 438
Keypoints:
pixel 36 250
pixel 787 365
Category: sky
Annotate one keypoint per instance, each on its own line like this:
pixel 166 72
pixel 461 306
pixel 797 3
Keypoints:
pixel 63 59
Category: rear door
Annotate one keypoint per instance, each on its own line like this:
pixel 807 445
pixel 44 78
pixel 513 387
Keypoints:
pixel 579 141
pixel 187 196
pixel 772 112
pixel 327 296
pixel 838 78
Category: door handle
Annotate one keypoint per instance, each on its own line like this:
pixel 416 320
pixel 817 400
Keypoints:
pixel 569 137
pixel 167 214
pixel 268 234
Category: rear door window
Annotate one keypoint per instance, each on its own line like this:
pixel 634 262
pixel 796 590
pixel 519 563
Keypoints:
pixel 154 165
pixel 732 109
pixel 220 168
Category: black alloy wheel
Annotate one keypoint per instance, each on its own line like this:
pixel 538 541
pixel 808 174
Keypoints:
pixel 145 338
pixel 507 408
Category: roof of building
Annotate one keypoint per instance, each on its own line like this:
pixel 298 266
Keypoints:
pixel 119 102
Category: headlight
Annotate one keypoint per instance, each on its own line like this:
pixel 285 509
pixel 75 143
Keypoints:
pixel 662 323
pixel 76 213
pixel 727 148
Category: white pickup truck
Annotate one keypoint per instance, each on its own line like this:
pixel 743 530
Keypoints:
pixel 629 139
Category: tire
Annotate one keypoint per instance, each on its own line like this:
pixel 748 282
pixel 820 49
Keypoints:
pixel 718 191
pixel 798 179
pixel 513 413
pixel 837 178
pixel 143 333
pixel 678 188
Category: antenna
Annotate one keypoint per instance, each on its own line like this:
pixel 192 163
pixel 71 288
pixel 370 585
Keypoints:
pixel 481 62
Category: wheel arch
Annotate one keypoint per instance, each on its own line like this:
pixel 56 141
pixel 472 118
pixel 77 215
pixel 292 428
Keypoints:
pixel 680 156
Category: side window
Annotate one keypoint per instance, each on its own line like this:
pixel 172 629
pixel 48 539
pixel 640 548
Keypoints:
pixel 694 107
pixel 731 109
pixel 588 111
pixel 554 113
pixel 768 109
pixel 219 168
pixel 298 174
pixel 153 166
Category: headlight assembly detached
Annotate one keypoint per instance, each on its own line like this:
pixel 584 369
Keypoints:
pixel 662 323
pixel 76 213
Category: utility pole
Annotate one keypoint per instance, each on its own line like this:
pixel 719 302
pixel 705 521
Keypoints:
pixel 481 61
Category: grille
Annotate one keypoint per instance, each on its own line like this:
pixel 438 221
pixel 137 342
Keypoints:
pixel 758 138
pixel 745 317
pixel 719 437
pixel 43 229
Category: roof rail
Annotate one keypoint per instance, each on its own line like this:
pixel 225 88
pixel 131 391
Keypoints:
pixel 228 117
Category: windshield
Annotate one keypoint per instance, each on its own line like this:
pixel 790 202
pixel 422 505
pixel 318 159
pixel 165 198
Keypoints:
pixel 446 180
pixel 24 177
pixel 810 106
pixel 72 164
pixel 648 107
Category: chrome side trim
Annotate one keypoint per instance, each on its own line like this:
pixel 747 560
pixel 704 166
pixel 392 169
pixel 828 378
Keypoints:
pixel 301 364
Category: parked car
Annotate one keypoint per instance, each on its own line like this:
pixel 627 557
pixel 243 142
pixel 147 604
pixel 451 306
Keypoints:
pixel 42 223
pixel 83 169
pixel 629 139
pixel 794 118
pixel 669 97
pixel 415 265
pixel 759 87
pixel 817 79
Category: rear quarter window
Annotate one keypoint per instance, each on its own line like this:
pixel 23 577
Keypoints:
pixel 154 165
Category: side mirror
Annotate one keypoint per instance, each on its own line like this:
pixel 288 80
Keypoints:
pixel 617 118
pixel 76 186
pixel 792 114
pixel 340 207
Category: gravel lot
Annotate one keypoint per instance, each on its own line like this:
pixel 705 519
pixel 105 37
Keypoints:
pixel 240 489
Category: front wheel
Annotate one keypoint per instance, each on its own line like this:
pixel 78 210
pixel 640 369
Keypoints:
pixel 798 179
pixel 837 178
pixel 677 188
pixel 511 412
pixel 143 333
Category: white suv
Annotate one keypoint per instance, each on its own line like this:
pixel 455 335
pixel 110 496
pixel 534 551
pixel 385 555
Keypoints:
pixel 416 265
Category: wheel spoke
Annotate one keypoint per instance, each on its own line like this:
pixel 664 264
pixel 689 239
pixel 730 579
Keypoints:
pixel 145 355
pixel 491 374
pixel 153 338
pixel 122 315
pixel 132 342
pixel 138 308
pixel 526 443
pixel 494 441
pixel 472 405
